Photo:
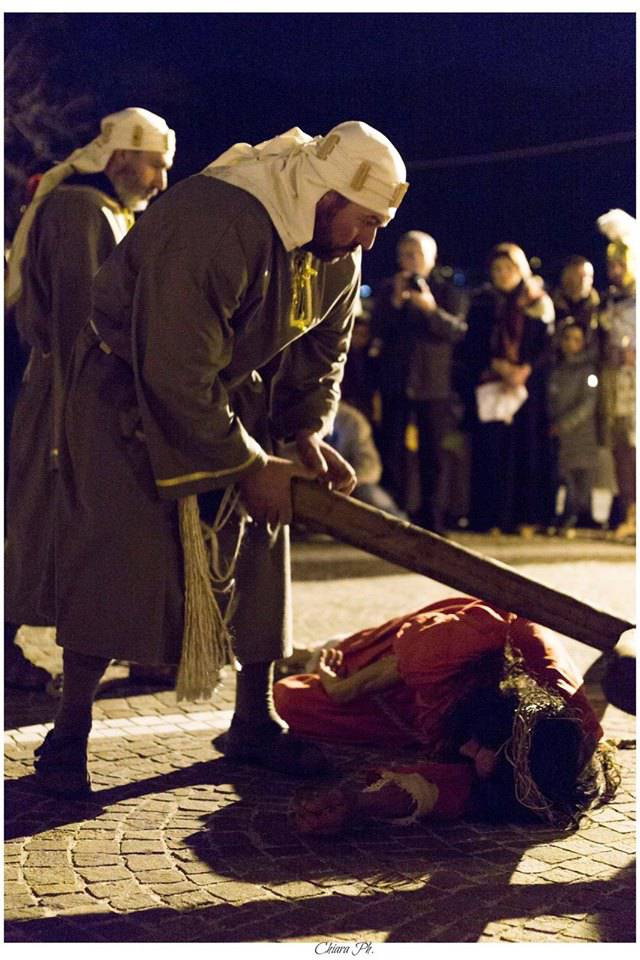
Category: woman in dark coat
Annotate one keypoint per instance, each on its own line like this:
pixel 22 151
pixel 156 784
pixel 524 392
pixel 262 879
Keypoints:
pixel 510 326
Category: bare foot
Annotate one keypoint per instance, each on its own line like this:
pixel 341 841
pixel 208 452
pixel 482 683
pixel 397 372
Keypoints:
pixel 322 811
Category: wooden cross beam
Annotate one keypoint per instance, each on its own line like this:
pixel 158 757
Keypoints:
pixel 423 552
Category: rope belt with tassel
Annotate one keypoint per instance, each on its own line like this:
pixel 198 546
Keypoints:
pixel 206 640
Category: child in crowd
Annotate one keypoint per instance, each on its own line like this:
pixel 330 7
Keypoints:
pixel 572 391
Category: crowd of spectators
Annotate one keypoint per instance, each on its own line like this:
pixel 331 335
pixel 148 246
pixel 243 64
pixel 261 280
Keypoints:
pixel 508 408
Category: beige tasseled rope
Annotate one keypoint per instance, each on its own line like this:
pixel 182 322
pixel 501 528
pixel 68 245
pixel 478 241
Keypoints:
pixel 206 641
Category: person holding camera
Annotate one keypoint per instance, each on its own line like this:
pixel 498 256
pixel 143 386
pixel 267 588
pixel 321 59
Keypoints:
pixel 417 319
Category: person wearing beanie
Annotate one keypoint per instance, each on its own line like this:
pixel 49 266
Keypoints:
pixel 80 210
pixel 172 524
pixel 576 300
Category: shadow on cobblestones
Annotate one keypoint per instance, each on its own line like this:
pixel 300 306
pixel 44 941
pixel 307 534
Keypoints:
pixel 413 916
pixel 28 811
pixel 22 707
pixel 223 831
pixel 180 845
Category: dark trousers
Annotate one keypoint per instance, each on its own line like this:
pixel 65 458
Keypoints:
pixel 396 411
pixel 578 483
pixel 624 457
pixel 512 477
pixel 434 420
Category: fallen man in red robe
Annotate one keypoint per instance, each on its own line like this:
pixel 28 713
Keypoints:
pixel 492 700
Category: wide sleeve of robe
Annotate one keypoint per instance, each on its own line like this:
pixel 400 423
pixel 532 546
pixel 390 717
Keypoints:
pixel 183 340
pixel 434 648
pixel 70 238
pixel 428 650
pixel 549 663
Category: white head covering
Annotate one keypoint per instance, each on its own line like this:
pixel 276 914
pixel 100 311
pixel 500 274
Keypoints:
pixel 618 225
pixel 132 129
pixel 290 173
pixel 621 229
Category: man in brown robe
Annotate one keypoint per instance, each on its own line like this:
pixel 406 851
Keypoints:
pixel 82 208
pixel 254 261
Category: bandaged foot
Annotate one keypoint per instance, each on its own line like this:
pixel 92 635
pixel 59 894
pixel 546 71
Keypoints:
pixel 323 811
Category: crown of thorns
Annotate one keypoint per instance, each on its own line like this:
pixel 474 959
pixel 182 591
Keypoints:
pixel 536 703
pixel 531 709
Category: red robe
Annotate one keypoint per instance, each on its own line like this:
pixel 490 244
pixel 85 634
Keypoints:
pixel 441 651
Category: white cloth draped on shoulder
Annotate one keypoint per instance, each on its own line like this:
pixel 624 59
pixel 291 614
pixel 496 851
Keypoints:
pixel 131 129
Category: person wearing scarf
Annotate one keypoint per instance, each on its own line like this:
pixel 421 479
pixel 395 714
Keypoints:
pixel 171 532
pixel 80 211
pixel 506 351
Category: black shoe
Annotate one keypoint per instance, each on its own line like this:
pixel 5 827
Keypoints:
pixel 61 766
pixel 20 673
pixel 273 747
pixel 159 676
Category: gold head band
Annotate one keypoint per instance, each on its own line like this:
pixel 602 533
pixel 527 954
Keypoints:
pixel 398 194
pixel 327 145
pixel 136 136
pixel 360 176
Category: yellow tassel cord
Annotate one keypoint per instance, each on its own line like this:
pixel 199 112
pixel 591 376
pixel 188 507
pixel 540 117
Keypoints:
pixel 206 641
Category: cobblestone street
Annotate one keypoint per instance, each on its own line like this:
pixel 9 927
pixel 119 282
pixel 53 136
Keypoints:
pixel 180 845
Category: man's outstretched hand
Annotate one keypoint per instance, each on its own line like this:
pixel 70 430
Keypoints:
pixel 325 462
pixel 267 493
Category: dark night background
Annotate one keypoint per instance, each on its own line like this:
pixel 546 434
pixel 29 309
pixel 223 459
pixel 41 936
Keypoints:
pixel 438 85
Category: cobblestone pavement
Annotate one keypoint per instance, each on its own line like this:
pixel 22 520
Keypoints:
pixel 179 845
